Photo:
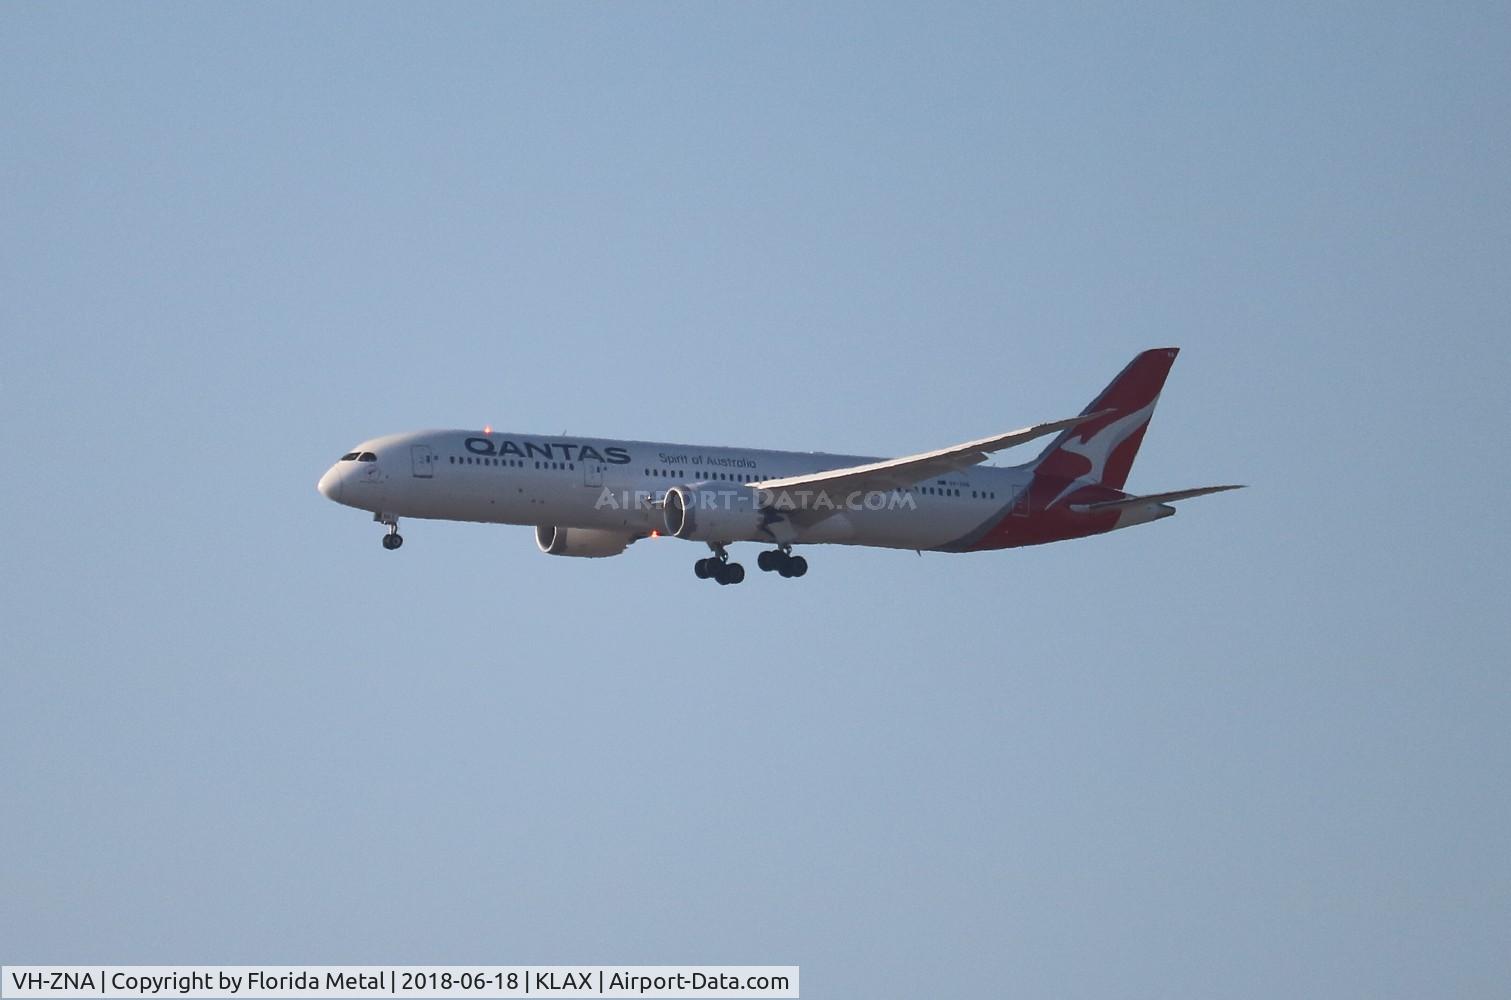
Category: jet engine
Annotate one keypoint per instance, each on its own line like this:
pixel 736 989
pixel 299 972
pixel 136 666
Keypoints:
pixel 710 512
pixel 589 543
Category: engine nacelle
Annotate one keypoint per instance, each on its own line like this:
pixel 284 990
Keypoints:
pixel 588 543
pixel 713 512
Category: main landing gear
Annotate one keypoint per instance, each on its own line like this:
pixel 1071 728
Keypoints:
pixel 718 567
pixel 393 539
pixel 782 561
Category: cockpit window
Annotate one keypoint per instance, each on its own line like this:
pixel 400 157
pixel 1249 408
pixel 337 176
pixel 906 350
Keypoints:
pixel 367 456
pixel 350 456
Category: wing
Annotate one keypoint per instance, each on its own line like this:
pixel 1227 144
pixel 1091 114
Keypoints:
pixel 1125 502
pixel 896 473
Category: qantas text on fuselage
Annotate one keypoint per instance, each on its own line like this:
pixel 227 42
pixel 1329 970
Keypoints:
pixel 594 497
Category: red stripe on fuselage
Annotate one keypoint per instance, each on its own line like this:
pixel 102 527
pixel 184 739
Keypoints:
pixel 1035 521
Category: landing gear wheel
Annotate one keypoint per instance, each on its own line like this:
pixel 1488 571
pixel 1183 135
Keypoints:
pixel 781 560
pixel 717 567
pixel 393 539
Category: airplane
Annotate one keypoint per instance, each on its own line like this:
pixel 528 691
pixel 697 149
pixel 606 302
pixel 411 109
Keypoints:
pixel 594 497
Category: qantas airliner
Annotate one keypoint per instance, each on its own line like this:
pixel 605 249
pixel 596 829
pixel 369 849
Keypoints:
pixel 595 496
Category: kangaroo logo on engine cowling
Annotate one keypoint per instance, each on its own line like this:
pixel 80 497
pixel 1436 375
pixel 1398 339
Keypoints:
pixel 550 451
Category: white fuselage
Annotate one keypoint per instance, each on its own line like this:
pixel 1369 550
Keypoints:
pixel 615 485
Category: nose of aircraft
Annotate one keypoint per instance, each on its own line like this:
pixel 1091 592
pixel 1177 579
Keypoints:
pixel 330 484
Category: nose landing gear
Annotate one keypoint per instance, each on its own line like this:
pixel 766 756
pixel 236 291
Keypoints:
pixel 782 561
pixel 393 539
pixel 718 567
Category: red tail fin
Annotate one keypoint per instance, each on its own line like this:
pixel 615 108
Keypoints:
pixel 1102 450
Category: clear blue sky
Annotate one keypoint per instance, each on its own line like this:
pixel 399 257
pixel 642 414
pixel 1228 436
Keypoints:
pixel 1260 749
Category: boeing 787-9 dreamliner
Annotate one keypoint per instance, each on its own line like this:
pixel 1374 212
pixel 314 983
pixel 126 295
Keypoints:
pixel 595 496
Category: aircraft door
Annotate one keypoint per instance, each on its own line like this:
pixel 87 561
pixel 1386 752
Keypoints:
pixel 592 474
pixel 422 461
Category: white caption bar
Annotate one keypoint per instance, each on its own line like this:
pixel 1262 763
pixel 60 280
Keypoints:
pixel 483 982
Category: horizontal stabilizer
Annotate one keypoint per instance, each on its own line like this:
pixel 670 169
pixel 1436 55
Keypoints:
pixel 1126 502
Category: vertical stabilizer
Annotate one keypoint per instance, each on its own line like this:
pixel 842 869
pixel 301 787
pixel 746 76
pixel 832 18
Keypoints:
pixel 1101 451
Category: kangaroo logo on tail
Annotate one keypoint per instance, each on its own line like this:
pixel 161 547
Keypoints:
pixel 1097 449
pixel 1101 452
